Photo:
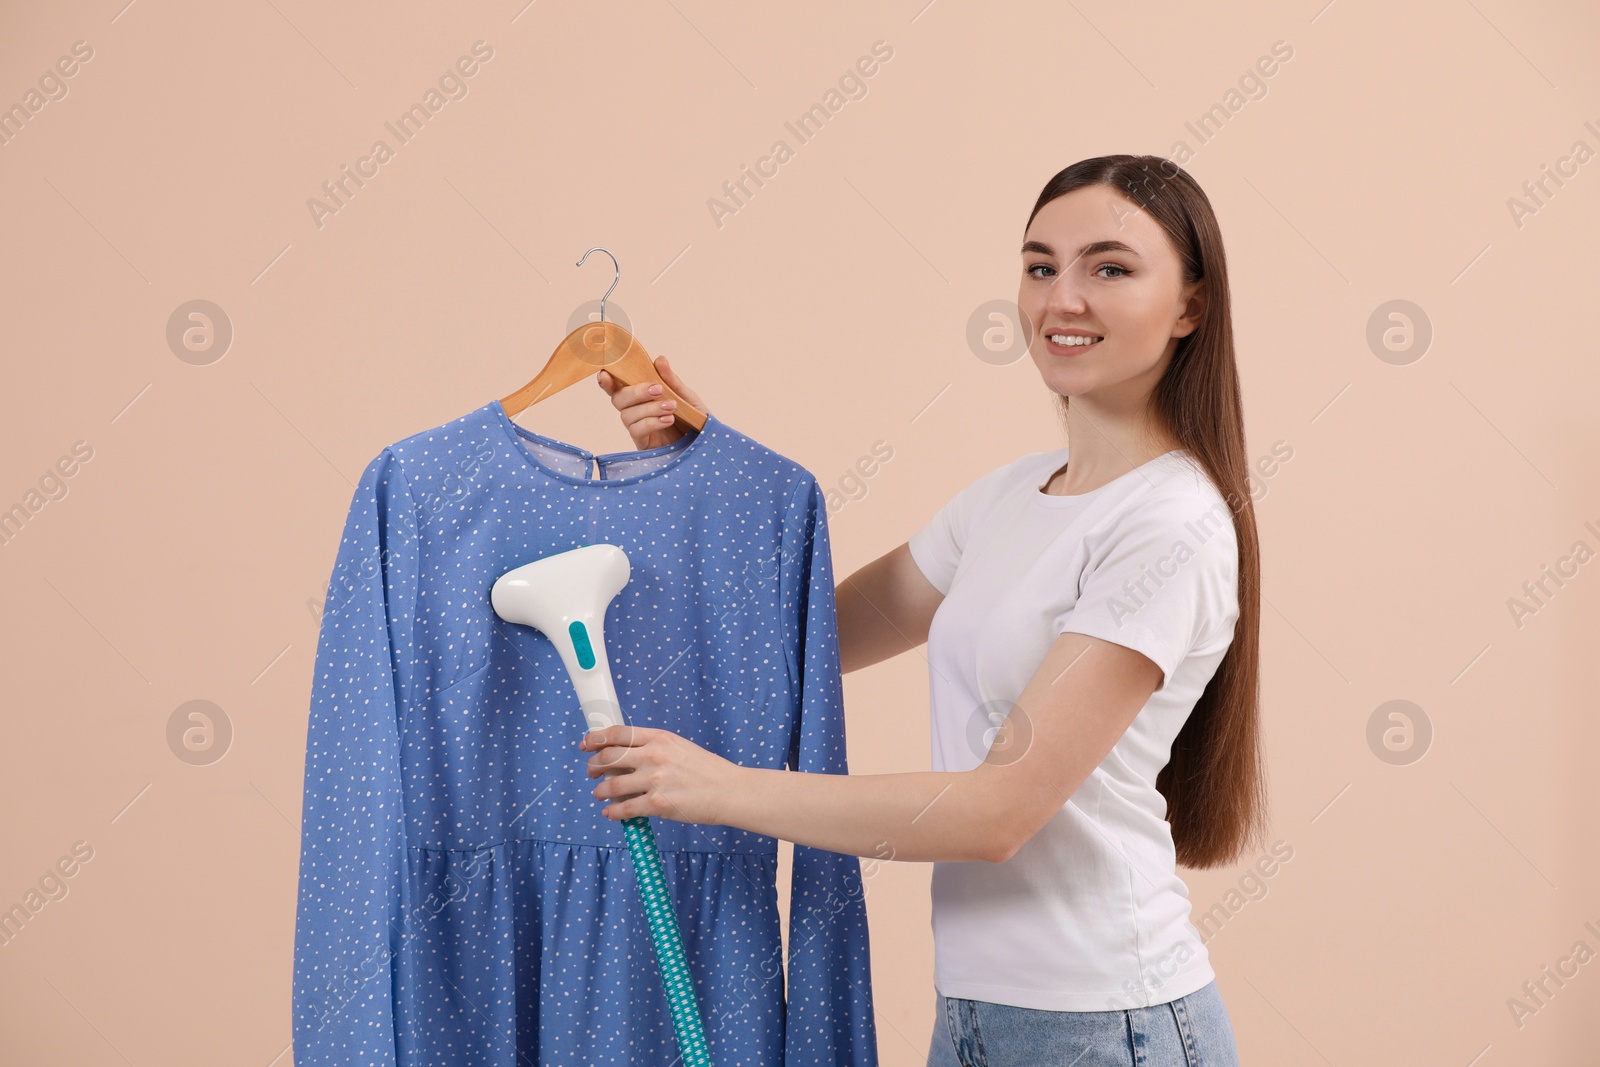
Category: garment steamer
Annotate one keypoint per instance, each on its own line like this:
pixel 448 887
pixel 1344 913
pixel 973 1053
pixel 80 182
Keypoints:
pixel 564 596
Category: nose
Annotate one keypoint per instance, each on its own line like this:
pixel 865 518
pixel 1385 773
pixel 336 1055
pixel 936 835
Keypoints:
pixel 1064 301
pixel 1065 293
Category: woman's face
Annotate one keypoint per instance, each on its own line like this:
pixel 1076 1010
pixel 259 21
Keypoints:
pixel 1094 263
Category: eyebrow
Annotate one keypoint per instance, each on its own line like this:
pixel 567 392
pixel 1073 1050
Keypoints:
pixel 1092 249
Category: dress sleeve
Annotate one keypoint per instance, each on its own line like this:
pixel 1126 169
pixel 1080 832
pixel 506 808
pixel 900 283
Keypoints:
pixel 829 1014
pixel 1165 582
pixel 348 924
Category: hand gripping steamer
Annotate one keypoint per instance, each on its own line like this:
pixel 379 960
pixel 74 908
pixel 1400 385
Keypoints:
pixel 564 596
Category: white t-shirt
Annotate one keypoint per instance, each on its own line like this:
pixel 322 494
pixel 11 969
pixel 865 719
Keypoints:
pixel 1089 914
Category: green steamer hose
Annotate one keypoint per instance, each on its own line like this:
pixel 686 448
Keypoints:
pixel 668 943
pixel 564 596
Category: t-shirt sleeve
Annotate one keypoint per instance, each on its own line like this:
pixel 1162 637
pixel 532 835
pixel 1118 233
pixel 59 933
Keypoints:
pixel 937 547
pixel 1164 583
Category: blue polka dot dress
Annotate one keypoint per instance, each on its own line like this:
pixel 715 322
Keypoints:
pixel 462 899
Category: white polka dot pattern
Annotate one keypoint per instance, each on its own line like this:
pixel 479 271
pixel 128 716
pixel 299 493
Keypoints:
pixel 462 899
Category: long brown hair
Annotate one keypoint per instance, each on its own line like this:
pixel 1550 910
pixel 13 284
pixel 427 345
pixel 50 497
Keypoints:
pixel 1214 783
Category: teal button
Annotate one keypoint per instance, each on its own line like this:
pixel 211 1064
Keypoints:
pixel 580 644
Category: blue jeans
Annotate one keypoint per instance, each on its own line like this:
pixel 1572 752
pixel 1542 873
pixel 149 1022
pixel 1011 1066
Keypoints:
pixel 1192 1031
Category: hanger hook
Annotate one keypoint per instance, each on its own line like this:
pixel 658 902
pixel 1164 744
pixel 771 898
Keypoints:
pixel 614 281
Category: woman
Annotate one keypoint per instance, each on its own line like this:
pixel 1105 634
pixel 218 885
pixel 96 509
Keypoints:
pixel 1103 613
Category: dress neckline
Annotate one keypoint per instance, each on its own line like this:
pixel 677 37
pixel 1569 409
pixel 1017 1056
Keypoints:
pixel 686 446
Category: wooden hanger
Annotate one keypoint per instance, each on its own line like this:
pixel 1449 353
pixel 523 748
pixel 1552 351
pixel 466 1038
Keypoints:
pixel 601 346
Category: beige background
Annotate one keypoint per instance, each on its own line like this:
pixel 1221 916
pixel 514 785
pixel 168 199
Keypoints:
pixel 189 555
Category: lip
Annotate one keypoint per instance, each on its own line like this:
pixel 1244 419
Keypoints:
pixel 1074 350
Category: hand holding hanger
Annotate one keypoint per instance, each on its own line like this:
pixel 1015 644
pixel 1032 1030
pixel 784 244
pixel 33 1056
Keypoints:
pixel 647 412
pixel 604 346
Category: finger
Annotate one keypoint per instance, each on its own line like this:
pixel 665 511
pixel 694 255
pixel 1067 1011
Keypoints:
pixel 617 811
pixel 670 376
pixel 612 759
pixel 595 740
pixel 643 805
pixel 652 414
pixel 626 735
pixel 621 395
pixel 608 760
pixel 628 396
pixel 612 789
pixel 645 407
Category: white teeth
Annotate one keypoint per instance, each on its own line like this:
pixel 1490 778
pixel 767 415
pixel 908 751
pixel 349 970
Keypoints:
pixel 1064 339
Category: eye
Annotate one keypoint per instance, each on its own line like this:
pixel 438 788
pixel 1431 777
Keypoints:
pixel 1121 271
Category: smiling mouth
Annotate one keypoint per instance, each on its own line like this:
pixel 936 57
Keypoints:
pixel 1070 344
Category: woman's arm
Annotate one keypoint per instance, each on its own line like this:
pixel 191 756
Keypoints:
pixel 1069 716
pixel 884 609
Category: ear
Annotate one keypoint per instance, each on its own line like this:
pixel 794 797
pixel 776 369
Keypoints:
pixel 1193 298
